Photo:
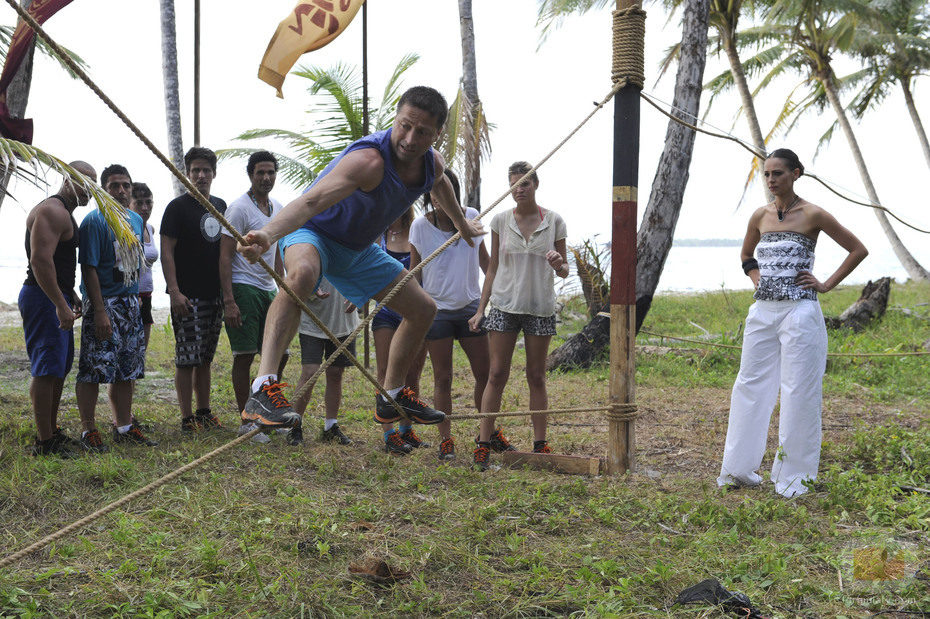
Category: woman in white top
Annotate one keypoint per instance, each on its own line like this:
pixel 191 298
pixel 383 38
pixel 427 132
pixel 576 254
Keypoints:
pixel 785 342
pixel 451 279
pixel 527 250
pixel 141 203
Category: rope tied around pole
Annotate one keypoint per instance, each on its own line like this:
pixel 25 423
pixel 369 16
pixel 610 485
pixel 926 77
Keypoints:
pixel 629 36
pixel 622 412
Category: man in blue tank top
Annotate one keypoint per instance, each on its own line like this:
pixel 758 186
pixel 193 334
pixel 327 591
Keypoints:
pixel 329 231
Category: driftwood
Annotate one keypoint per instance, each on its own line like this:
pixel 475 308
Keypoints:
pixel 871 305
pixel 582 349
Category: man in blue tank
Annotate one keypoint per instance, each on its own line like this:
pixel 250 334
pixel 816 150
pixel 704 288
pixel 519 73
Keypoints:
pixel 330 230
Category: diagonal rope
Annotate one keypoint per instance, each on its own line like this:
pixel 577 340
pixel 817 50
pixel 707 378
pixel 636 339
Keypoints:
pixel 203 201
pixel 755 153
pixel 161 481
pixel 455 237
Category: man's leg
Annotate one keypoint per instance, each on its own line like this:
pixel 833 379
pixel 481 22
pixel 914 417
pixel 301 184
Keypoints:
pixel 418 310
pixel 333 397
pixel 302 262
pixel 306 371
pixel 242 363
pixel 202 385
pixel 267 406
pixel 184 386
pixel 44 403
pixel 121 402
pixel 87 404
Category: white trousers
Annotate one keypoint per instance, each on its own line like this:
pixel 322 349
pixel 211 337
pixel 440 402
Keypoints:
pixel 784 347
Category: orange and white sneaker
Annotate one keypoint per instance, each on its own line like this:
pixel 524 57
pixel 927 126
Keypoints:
pixel 268 407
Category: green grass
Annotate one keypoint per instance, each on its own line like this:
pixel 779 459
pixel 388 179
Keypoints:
pixel 271 530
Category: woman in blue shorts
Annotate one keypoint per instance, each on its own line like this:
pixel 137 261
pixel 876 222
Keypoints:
pixel 397 245
pixel 451 279
pixel 527 250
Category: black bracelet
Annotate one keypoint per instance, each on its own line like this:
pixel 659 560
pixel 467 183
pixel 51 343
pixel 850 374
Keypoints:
pixel 750 265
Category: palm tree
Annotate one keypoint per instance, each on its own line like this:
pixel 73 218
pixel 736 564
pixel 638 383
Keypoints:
pixel 724 18
pixel 896 47
pixel 336 93
pixel 816 30
pixel 169 68
pixel 466 136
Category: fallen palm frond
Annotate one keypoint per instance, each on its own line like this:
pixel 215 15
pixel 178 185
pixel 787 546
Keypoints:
pixel 32 164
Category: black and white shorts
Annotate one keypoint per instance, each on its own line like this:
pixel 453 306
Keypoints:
pixel 196 335
pixel 498 320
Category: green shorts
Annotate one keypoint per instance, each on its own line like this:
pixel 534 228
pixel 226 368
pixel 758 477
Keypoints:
pixel 253 307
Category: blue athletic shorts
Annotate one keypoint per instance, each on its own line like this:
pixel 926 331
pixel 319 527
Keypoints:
pixel 357 274
pixel 50 349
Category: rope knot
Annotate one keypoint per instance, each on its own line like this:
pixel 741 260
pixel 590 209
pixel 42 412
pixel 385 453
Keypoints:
pixel 622 411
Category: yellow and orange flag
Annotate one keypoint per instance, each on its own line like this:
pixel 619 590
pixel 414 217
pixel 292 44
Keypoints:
pixel 310 26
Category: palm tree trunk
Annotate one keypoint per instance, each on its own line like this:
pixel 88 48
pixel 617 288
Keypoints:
pixel 17 97
pixel 913 268
pixel 918 125
pixel 169 68
pixel 470 87
pixel 654 239
pixel 745 95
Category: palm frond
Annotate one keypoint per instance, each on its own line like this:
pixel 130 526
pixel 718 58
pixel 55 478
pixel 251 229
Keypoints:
pixel 6 33
pixel 32 164
pixel 465 140
pixel 551 14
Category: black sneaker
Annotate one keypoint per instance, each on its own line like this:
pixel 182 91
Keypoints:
pixel 64 439
pixel 541 447
pixel 335 435
pixel 191 424
pixel 410 437
pixel 295 436
pixel 93 442
pixel 482 453
pixel 394 444
pixel 133 437
pixel 499 442
pixel 269 408
pixel 207 419
pixel 447 449
pixel 415 408
pixel 54 446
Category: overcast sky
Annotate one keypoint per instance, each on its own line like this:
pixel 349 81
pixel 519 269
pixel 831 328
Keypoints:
pixel 533 94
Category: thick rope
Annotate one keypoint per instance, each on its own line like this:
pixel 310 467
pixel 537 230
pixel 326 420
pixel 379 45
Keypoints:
pixel 757 154
pixel 829 354
pixel 161 481
pixel 551 411
pixel 196 194
pixel 629 34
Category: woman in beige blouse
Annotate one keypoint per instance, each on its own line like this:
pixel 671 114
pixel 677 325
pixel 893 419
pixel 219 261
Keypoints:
pixel 527 251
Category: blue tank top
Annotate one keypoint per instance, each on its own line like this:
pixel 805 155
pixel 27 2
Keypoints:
pixel 358 220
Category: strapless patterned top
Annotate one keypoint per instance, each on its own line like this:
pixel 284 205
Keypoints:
pixel 781 256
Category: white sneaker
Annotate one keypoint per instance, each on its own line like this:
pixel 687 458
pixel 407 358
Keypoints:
pixel 261 438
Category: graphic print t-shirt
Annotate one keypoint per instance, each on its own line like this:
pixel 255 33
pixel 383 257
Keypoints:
pixel 197 253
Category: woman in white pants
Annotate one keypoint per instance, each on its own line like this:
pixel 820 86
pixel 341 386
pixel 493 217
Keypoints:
pixel 785 341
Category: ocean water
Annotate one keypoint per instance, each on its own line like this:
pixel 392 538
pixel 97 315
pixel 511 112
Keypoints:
pixel 687 269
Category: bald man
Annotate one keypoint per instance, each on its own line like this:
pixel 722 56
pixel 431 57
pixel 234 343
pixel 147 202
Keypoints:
pixel 49 306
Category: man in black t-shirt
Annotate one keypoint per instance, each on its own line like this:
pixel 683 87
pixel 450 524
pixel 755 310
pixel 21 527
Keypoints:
pixel 190 249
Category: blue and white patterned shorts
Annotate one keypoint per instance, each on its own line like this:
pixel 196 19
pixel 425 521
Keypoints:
pixel 120 358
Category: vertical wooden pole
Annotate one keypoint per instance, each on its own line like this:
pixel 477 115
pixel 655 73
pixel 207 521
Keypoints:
pixel 196 72
pixel 365 130
pixel 621 444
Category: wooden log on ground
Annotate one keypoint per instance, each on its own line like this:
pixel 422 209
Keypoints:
pixel 871 305
pixel 561 463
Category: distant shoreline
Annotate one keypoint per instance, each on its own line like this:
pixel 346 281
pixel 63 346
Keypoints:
pixel 707 243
